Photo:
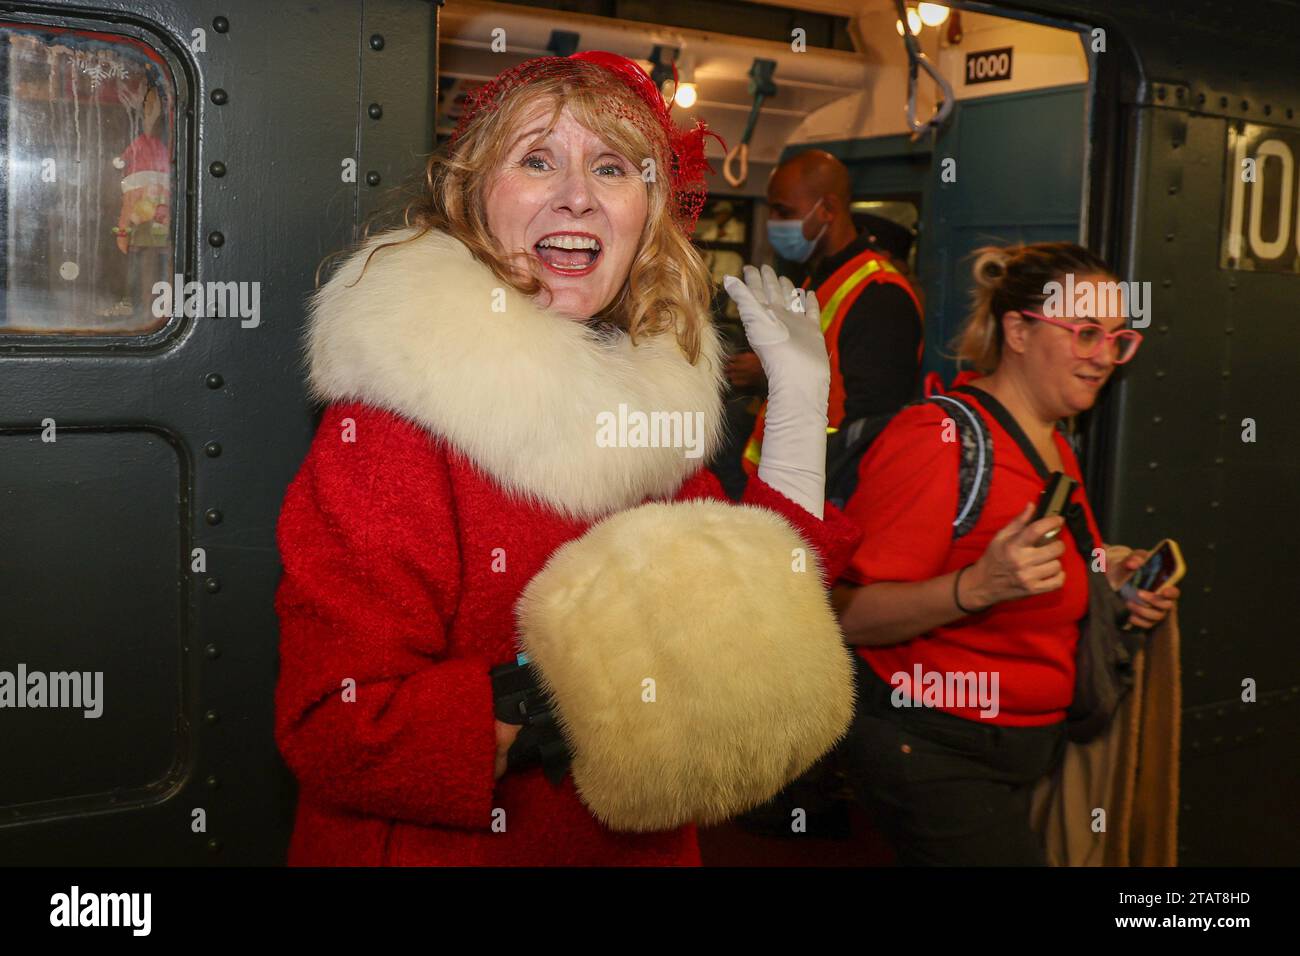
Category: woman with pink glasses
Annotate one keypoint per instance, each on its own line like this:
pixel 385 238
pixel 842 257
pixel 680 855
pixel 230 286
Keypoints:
pixel 964 621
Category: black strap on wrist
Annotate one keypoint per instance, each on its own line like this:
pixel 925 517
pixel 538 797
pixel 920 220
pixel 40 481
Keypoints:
pixel 519 699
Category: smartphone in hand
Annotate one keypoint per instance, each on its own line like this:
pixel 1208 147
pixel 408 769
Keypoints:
pixel 1163 566
pixel 1055 496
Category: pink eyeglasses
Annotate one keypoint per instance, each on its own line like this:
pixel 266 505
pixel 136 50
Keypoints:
pixel 1090 337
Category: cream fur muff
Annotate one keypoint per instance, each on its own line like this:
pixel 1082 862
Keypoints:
pixel 695 669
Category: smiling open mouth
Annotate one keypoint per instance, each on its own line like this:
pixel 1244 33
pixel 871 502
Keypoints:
pixel 569 255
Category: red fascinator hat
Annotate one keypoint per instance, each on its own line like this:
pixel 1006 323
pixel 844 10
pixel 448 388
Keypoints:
pixel 685 147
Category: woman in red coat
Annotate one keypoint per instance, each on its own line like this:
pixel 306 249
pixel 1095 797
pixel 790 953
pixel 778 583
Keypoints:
pixel 510 470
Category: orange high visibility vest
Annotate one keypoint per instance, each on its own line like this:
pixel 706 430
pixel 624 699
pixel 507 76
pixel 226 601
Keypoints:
pixel 836 297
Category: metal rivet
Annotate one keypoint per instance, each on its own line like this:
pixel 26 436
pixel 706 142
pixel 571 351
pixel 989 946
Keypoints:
pixel 1160 373
pixel 1173 190
pixel 1151 509
pixel 1228 330
pixel 1163 329
pixel 1218 460
pixel 212 516
pixel 1207 591
pixel 217 168
pixel 1169 237
pixel 214 380
pixel 214 846
pixel 1214 504
pixel 220 97
pixel 212 651
pixel 212 449
pixel 1153 465
pixel 212 586
pixel 211 717
pixel 1157 419
pixel 372 178
pixel 1227 374
pixel 376 41
pixel 375 111
pixel 216 240
pixel 213 782
pixel 1223 417
pixel 220 24
pixel 1166 282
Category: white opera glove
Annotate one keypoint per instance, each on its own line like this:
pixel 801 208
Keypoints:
pixel 783 325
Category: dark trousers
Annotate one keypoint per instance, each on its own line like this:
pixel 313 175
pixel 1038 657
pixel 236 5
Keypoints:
pixel 944 790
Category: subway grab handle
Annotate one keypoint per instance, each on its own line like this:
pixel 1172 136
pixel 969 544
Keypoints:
pixel 915 59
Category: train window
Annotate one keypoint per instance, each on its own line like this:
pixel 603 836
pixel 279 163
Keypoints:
pixel 87 126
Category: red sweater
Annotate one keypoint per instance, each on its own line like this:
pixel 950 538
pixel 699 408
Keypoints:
pixel 905 504
pixel 402 565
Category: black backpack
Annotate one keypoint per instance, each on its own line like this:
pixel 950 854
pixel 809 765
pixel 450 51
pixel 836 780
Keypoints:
pixel 846 447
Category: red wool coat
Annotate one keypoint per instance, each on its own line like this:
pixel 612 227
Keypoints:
pixel 406 541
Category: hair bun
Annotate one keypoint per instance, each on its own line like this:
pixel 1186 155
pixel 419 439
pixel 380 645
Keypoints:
pixel 990 266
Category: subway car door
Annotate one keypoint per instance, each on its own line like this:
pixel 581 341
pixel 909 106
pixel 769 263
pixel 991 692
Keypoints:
pixel 171 183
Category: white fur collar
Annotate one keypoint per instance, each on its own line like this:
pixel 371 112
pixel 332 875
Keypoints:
pixel 518 392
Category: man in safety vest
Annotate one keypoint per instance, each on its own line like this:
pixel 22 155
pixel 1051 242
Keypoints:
pixel 871 317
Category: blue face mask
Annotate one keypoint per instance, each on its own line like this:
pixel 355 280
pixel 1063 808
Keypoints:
pixel 787 238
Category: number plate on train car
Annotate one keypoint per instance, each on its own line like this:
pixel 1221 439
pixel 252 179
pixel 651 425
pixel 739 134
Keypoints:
pixel 1261 219
pixel 988 65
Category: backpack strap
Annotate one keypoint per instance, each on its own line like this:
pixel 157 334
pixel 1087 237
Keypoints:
pixel 975 467
pixel 846 448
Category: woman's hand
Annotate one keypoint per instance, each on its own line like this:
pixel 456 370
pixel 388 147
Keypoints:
pixel 1012 567
pixel 1155 606
pixel 506 734
pixel 783 326
pixel 1121 561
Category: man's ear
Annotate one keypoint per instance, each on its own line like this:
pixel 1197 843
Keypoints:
pixel 1015 331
